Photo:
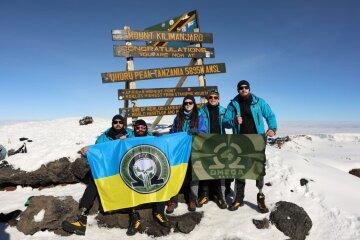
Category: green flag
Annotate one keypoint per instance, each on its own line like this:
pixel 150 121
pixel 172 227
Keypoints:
pixel 220 156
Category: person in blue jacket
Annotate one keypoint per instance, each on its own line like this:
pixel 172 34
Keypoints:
pixel 245 114
pixel 117 131
pixel 214 115
pixel 187 120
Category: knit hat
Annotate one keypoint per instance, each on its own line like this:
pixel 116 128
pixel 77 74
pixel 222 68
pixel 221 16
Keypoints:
pixel 243 82
pixel 140 122
pixel 214 92
pixel 190 97
pixel 119 117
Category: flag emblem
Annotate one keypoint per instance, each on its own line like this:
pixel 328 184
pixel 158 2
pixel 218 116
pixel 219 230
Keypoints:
pixel 145 169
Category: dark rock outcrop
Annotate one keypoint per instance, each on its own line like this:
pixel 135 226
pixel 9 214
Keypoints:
pixel 56 211
pixel 261 224
pixel 291 219
pixel 279 141
pixel 355 172
pixel 303 181
pixel 58 172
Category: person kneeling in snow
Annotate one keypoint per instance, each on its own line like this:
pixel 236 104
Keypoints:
pixel 117 131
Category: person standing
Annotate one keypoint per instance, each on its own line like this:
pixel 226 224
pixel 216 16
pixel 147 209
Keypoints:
pixel 245 113
pixel 187 120
pixel 214 115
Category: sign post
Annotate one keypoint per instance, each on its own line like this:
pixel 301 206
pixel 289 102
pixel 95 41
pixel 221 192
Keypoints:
pixel 169 39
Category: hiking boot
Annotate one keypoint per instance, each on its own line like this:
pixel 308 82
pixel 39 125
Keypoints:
pixel 261 203
pixel 192 206
pixel 162 219
pixel 134 224
pixel 171 205
pixel 78 227
pixel 235 205
pixel 220 202
pixel 202 200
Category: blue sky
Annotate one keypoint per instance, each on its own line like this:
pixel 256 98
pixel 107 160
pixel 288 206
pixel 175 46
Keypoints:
pixel 302 57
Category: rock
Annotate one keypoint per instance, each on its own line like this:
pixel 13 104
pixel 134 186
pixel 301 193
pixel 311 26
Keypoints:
pixel 268 184
pixel 291 219
pixel 56 210
pixel 261 224
pixel 279 141
pixel 86 120
pixel 303 182
pixel 355 172
pixel 79 168
pixel 54 173
pixel 10 188
pixel 184 223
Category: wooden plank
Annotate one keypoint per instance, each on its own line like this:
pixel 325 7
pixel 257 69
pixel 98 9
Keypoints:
pixel 150 111
pixel 162 52
pixel 149 93
pixel 118 35
pixel 147 74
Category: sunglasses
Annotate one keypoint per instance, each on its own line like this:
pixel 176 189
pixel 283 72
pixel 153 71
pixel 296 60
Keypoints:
pixel 188 103
pixel 140 127
pixel 244 87
pixel 117 122
pixel 214 97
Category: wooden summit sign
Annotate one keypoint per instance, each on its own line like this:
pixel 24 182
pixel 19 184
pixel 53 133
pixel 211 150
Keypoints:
pixel 147 93
pixel 146 74
pixel 127 35
pixel 148 111
pixel 162 52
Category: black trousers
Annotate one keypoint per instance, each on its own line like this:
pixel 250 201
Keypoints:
pixel 90 193
pixel 210 188
pixel 240 187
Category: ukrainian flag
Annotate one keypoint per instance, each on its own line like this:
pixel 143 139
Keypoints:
pixel 139 170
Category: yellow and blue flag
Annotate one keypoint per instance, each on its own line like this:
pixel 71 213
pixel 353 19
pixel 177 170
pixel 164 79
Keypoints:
pixel 139 170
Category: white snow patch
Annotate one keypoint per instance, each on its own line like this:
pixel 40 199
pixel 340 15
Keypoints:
pixel 39 216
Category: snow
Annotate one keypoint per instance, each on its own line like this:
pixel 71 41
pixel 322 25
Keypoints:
pixel 324 157
pixel 40 216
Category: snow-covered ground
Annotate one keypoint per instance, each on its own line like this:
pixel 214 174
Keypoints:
pixel 331 198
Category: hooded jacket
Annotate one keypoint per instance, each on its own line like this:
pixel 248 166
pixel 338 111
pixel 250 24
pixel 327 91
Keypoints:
pixel 259 109
pixel 204 112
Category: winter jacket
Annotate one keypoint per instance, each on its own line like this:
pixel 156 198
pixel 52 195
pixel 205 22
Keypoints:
pixel 105 138
pixel 259 109
pixel 186 126
pixel 204 112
